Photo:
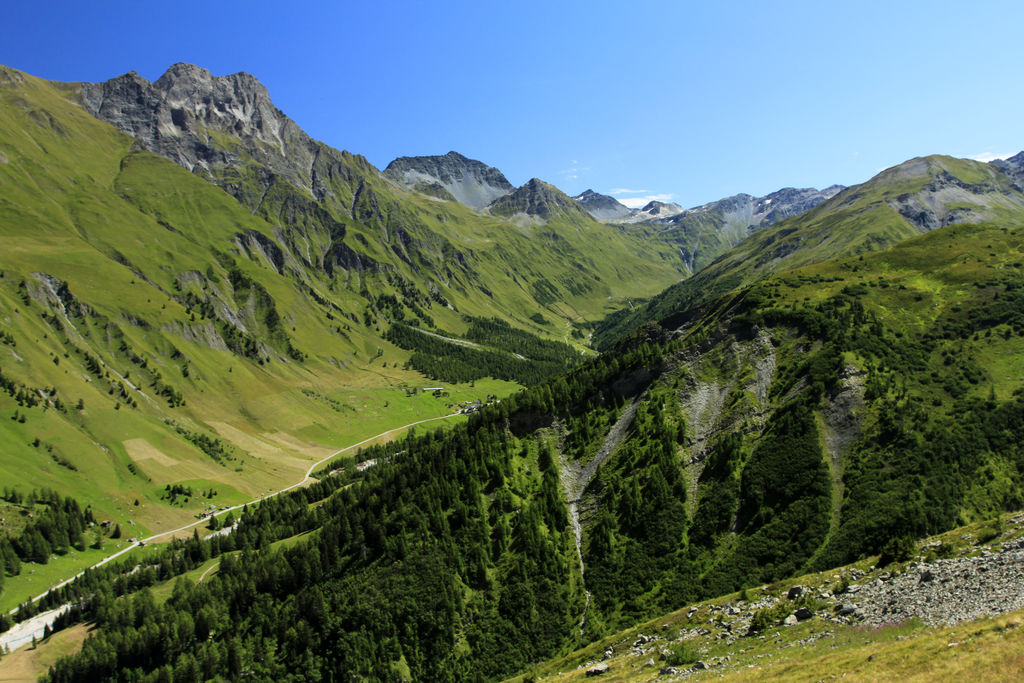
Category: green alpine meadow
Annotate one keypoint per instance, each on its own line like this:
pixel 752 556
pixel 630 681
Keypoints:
pixel 280 415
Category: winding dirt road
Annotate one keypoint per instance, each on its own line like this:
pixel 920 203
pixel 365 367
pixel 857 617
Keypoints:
pixel 22 633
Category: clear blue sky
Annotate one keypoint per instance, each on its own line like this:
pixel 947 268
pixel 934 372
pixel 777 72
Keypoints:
pixel 693 101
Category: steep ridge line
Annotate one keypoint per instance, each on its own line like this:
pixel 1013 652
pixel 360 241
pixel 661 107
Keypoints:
pixel 575 480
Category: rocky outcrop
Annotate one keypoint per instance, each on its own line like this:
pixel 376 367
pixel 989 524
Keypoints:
pixel 468 181
pixel 742 214
pixel 947 200
pixel 255 243
pixel 704 232
pixel 1012 166
pixel 662 210
pixel 604 208
pixel 947 592
pixel 180 115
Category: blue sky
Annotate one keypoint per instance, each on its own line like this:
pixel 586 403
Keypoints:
pixel 686 101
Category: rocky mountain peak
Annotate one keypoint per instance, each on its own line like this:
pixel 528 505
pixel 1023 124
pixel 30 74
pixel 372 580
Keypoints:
pixel 603 207
pixel 469 181
pixel 789 201
pixel 175 116
pixel 656 209
pixel 184 71
pixel 537 198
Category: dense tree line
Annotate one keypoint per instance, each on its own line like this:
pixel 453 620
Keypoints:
pixel 54 524
pixel 435 544
pixel 916 469
pixel 456 537
pixel 451 362
pixel 499 334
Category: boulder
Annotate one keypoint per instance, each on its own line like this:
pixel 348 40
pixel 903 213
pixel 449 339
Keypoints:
pixel 803 613
pixel 791 620
pixel 598 669
pixel 795 592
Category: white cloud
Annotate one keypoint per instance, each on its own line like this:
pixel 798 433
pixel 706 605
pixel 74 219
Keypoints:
pixel 622 190
pixel 574 170
pixel 637 202
pixel 988 156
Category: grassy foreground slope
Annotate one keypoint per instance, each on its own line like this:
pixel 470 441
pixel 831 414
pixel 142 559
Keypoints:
pixel 743 636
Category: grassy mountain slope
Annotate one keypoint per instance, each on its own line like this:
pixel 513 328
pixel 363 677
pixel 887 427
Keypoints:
pixel 897 204
pixel 105 247
pixel 829 410
pixel 162 330
pixel 158 332
pixel 818 416
pixel 334 213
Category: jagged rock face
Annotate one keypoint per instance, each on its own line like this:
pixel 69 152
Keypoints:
pixel 703 232
pixel 537 198
pixel 179 114
pixel 602 207
pixel 468 181
pixel 1013 167
pixel 789 201
pixel 656 209
pixel 226 129
pixel 946 199
pixel 745 213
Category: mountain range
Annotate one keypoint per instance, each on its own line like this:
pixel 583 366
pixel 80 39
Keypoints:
pixel 200 306
pixel 698 234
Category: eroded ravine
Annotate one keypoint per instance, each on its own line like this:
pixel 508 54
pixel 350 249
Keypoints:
pixel 576 478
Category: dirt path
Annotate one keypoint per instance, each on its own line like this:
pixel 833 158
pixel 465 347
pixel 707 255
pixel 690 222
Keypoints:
pixel 575 480
pixel 453 340
pixel 210 569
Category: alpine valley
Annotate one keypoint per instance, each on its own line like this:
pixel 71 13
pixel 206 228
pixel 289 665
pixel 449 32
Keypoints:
pixel 666 414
